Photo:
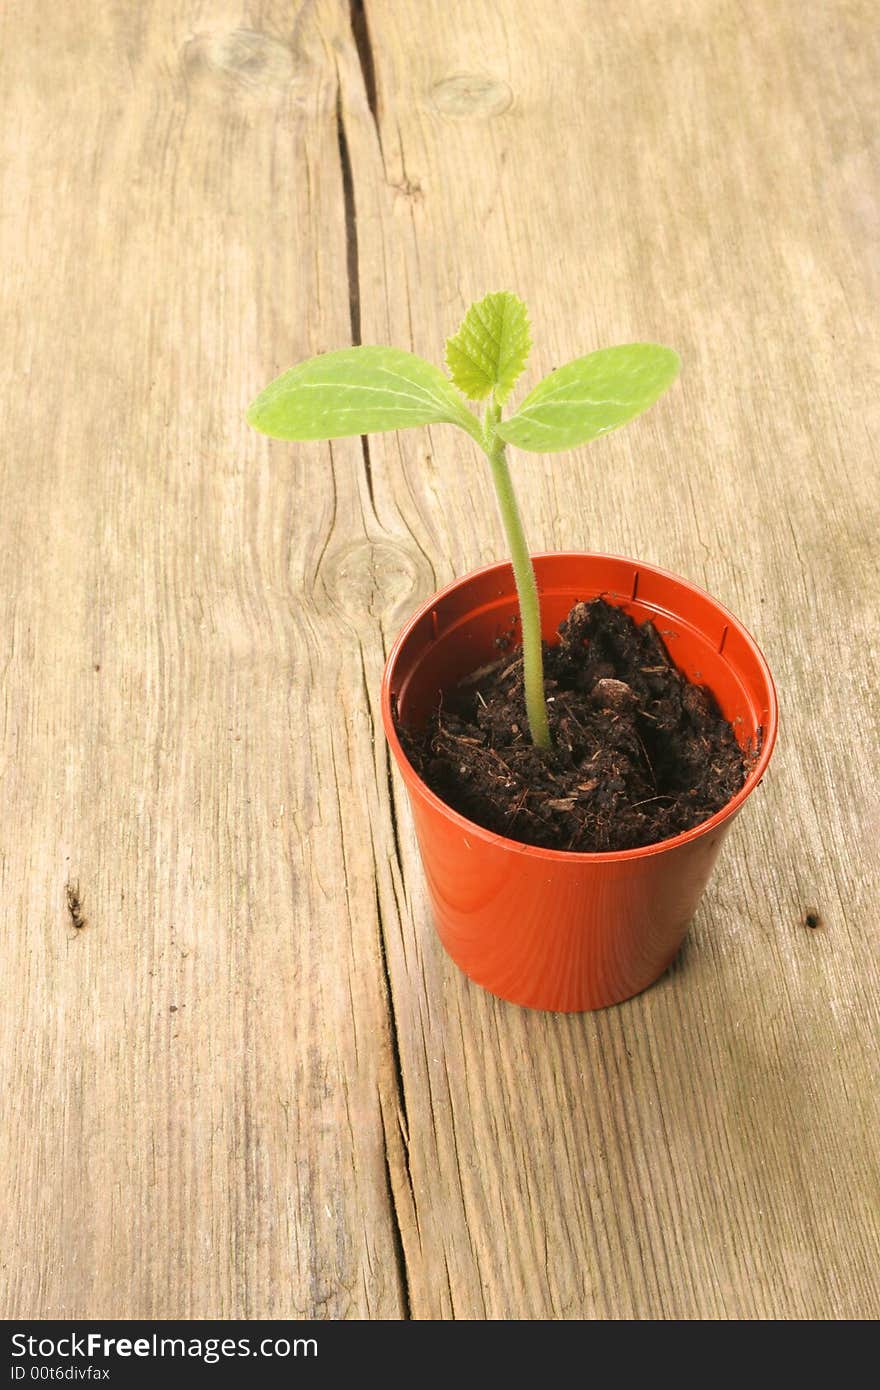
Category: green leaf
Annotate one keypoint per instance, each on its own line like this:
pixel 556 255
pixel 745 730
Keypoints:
pixel 591 396
pixel 491 348
pixel 358 390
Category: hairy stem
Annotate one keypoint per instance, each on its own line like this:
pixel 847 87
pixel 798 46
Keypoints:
pixel 526 585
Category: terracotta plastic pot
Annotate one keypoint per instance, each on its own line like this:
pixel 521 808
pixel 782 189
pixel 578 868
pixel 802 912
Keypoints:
pixel 548 928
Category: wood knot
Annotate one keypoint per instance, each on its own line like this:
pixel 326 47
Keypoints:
pixel 242 58
pixel 375 579
pixel 471 94
pixel 75 905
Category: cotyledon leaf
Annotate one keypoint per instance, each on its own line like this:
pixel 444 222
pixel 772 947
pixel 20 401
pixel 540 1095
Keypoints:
pixel 590 396
pixel 491 348
pixel 358 390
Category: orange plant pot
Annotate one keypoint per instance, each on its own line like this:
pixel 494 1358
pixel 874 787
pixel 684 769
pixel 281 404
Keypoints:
pixel 547 928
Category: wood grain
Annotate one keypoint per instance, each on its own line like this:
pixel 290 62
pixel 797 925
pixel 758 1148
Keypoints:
pixel 239 1077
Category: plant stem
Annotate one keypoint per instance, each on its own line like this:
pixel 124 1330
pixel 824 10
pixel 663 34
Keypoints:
pixel 526 584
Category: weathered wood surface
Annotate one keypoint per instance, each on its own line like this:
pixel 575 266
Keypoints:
pixel 249 1083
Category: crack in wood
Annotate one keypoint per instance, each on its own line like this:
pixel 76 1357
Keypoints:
pixel 403 1119
pixel 396 1229
pixel 361 35
pixel 361 32
pixel 352 264
pixel 397 1074
pixel 392 811
pixel 394 1039
pixel 351 235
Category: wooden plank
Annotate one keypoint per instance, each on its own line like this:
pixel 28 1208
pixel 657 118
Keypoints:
pixel 251 1084
pixel 194 1077
pixel 703 175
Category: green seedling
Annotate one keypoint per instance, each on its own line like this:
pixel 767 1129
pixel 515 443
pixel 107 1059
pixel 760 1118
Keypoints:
pixel 364 390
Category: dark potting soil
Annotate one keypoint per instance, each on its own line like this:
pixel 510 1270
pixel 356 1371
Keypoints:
pixel 639 753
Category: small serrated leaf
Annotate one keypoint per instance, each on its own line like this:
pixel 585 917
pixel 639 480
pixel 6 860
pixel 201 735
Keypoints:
pixel 490 350
pixel 591 396
pixel 358 390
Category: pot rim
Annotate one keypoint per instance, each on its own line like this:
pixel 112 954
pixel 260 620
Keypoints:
pixel 580 856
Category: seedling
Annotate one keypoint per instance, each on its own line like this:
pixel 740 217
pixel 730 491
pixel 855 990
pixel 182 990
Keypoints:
pixel 365 390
